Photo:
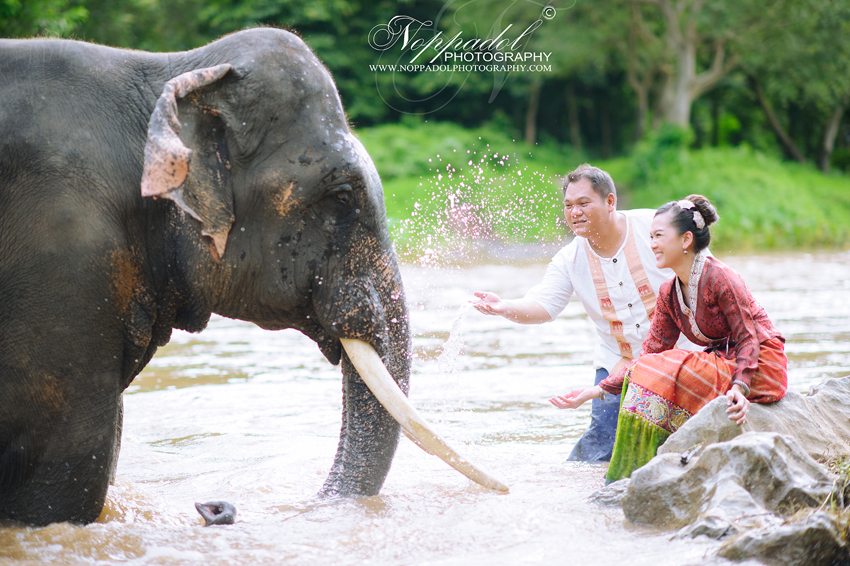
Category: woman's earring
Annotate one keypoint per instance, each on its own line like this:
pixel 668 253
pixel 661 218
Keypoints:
pixel 685 252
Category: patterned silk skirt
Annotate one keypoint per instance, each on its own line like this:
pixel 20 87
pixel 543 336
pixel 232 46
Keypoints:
pixel 662 391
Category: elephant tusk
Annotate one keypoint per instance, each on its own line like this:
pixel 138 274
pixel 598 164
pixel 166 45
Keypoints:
pixel 386 390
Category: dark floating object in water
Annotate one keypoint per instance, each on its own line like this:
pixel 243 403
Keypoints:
pixel 217 512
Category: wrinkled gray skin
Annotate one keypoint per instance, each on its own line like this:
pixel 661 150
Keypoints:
pixel 217 513
pixel 94 276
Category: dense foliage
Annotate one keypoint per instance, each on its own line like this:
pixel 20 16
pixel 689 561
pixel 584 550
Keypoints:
pixel 773 76
pixel 711 97
pixel 451 189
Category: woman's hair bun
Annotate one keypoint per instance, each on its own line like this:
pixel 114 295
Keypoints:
pixel 705 208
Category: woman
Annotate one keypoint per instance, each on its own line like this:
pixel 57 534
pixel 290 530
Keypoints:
pixel 744 355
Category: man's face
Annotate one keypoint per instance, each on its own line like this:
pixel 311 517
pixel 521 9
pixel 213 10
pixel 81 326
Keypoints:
pixel 585 210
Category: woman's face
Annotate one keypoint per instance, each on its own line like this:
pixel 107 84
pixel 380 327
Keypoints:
pixel 667 244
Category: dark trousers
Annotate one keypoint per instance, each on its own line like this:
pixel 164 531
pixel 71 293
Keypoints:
pixel 597 442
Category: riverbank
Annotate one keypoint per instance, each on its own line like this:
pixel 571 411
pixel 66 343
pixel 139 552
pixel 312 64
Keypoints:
pixel 447 187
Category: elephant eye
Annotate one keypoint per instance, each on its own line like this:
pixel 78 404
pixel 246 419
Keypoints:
pixel 343 195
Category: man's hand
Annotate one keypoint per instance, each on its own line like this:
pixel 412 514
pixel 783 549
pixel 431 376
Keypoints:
pixel 739 406
pixel 489 303
pixel 574 399
pixel 523 311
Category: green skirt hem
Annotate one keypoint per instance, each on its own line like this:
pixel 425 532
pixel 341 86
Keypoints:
pixel 636 444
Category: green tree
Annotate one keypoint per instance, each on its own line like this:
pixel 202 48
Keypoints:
pixel 565 30
pixel 337 30
pixel 684 46
pixel 29 18
pixel 803 63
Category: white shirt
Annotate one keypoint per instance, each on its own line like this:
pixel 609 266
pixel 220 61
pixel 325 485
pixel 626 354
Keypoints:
pixel 569 272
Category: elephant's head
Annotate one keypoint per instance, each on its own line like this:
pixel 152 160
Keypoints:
pixel 288 227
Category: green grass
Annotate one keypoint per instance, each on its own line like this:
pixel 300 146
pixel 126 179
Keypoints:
pixel 763 203
pixel 447 187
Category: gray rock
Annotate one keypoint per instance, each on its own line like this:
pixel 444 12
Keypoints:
pixel 820 422
pixel 710 526
pixel 611 494
pixel 717 561
pixel 816 540
pixel 731 510
pixel 739 482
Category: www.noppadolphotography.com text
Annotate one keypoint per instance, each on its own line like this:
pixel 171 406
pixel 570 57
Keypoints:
pixel 493 46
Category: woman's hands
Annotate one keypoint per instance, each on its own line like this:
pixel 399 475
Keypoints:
pixel 574 399
pixel 739 406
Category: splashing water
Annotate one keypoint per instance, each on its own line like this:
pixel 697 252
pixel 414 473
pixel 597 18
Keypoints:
pixel 447 360
pixel 470 209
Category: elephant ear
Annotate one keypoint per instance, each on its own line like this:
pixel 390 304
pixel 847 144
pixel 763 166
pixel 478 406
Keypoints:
pixel 200 186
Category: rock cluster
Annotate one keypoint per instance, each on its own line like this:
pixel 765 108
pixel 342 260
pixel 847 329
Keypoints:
pixel 820 422
pixel 818 539
pixel 750 484
pixel 739 484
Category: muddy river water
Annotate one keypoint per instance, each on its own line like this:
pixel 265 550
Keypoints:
pixel 252 417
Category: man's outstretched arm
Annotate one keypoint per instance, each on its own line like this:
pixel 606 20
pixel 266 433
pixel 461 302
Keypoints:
pixel 523 311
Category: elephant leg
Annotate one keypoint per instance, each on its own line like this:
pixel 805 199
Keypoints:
pixel 60 469
pixel 367 441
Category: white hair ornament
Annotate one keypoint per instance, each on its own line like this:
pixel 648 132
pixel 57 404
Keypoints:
pixel 698 219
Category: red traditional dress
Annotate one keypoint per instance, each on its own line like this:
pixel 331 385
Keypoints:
pixel 666 386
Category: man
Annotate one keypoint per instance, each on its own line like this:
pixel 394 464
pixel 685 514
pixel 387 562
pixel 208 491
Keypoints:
pixel 610 266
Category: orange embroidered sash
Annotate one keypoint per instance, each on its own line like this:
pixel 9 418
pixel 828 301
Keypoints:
pixel 647 295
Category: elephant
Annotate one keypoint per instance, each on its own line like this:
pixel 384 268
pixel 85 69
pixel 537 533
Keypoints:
pixel 142 192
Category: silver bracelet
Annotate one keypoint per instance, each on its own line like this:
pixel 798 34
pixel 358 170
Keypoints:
pixel 744 386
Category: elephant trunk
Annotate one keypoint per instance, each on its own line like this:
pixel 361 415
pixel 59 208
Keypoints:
pixel 375 406
pixel 369 434
pixel 367 441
